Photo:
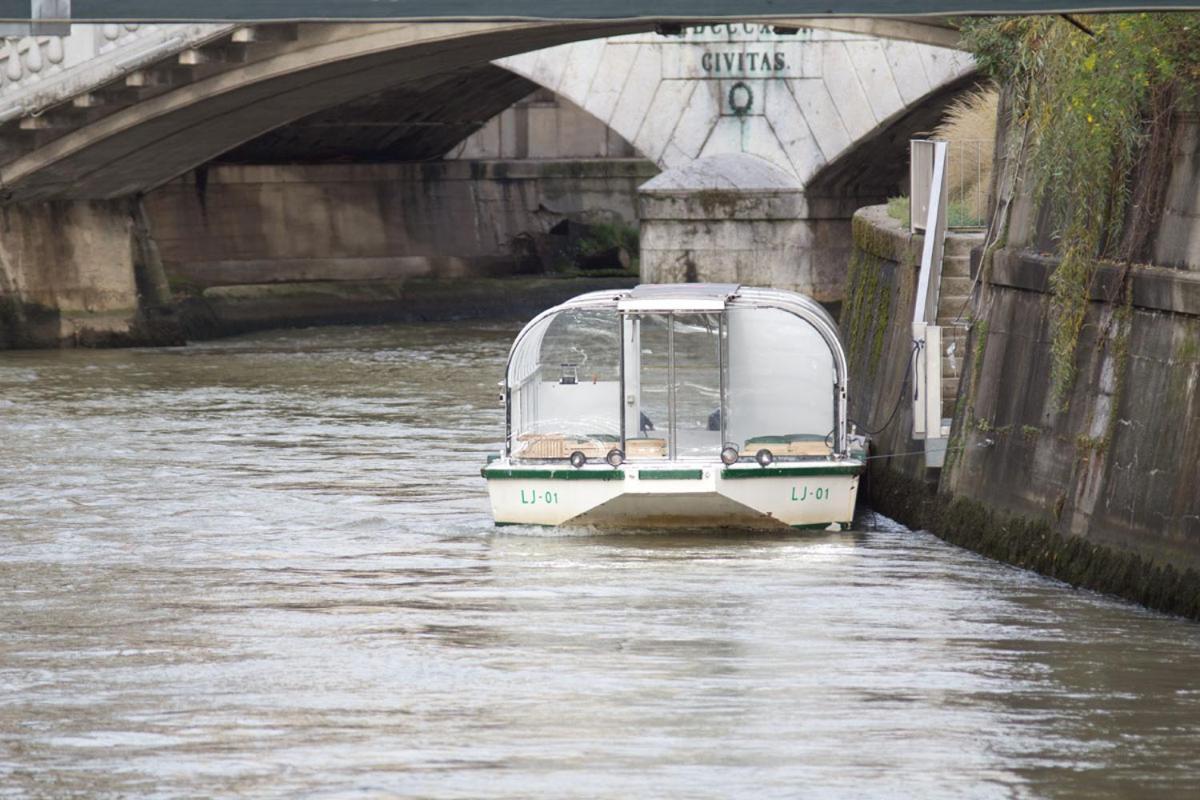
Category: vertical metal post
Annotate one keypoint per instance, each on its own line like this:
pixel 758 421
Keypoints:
pixel 721 369
pixel 621 369
pixel 632 394
pixel 920 168
pixel 507 417
pixel 671 386
pixel 935 240
pixel 927 371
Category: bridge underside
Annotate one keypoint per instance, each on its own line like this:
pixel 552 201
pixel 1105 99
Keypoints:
pixel 168 131
pixel 414 122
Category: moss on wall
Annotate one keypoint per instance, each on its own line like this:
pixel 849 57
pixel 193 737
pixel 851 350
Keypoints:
pixel 871 289
pixel 719 203
pixel 1034 544
pixel 862 286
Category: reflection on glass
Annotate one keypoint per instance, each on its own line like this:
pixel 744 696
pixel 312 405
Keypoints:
pixel 780 384
pixel 697 385
pixel 754 378
pixel 650 435
pixel 565 384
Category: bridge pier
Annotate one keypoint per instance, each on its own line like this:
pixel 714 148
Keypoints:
pixel 737 218
pixel 77 272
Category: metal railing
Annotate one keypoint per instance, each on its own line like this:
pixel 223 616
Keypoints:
pixel 968 177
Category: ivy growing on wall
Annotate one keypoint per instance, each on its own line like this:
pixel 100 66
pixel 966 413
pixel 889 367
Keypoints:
pixel 1097 96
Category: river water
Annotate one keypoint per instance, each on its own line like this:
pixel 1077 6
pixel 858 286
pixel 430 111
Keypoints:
pixel 265 567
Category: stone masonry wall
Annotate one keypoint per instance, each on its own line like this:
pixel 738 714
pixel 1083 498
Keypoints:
pixel 67 273
pixel 238 225
pixel 1103 492
pixel 1119 464
pixel 876 328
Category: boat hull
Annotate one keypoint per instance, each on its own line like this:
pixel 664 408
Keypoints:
pixel 692 496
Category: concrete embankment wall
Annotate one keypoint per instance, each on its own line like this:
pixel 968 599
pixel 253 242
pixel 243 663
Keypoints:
pixel 236 225
pixel 1102 491
pixel 229 310
pixel 256 247
pixel 237 248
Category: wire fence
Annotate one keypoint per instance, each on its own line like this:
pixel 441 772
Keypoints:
pixel 968 178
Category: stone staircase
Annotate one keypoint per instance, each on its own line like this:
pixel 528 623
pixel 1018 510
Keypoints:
pixel 952 312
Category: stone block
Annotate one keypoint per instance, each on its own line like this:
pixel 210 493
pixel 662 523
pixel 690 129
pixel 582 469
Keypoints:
pixel 902 57
pixel 645 74
pixel 875 76
pixel 791 129
pixel 543 131
pixel 942 64
pixel 1175 242
pixel 695 124
pixel 583 60
pixel 545 69
pixel 667 107
pixel 579 134
pixel 758 137
pixel 822 116
pixel 608 82
pixel 847 92
pixel 514 137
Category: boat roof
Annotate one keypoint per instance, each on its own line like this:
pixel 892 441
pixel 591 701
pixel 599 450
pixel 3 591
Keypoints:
pixel 678 297
pixel 697 297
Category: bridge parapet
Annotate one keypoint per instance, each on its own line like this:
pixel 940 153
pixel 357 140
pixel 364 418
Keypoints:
pixel 40 72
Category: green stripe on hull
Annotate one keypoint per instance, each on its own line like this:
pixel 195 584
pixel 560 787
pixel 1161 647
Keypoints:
pixel 671 475
pixel 553 474
pixel 792 472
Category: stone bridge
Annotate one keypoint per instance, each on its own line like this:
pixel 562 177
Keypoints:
pixel 92 121
pixel 801 99
pixel 831 111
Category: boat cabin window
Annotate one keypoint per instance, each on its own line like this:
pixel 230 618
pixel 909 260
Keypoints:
pixel 565 384
pixel 673 385
pixel 781 384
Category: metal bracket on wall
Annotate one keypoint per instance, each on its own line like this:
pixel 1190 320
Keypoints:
pixel 928 195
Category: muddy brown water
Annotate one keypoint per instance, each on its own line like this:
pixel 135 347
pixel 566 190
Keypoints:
pixel 265 567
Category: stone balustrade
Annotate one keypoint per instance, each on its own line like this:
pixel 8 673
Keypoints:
pixel 38 72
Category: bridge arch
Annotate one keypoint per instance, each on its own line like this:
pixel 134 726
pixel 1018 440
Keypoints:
pixel 802 100
pixel 225 91
pixel 256 89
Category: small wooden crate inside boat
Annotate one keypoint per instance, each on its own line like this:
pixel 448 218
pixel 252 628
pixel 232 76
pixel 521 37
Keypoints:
pixel 548 446
pixel 793 445
pixel 645 448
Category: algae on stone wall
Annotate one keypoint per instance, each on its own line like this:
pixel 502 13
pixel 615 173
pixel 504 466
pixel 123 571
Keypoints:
pixel 1034 544
pixel 718 203
pixel 867 309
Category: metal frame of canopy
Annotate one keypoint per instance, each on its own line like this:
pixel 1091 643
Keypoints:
pixel 671 298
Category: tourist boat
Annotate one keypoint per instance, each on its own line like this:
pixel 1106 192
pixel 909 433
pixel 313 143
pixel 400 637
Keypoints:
pixel 677 405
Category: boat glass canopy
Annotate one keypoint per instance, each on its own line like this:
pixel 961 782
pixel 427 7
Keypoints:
pixel 678 372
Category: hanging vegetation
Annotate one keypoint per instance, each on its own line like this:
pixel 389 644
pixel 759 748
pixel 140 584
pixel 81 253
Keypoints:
pixel 1096 95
